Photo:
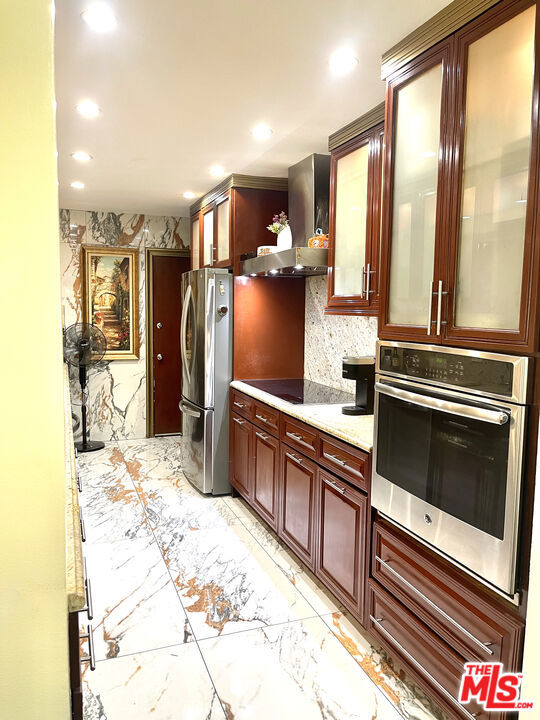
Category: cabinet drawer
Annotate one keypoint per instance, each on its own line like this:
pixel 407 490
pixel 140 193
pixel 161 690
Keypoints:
pixel 300 436
pixel 437 667
pixel 344 460
pixel 469 620
pixel 241 403
pixel 266 417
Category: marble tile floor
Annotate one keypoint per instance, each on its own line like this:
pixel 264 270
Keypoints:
pixel 200 613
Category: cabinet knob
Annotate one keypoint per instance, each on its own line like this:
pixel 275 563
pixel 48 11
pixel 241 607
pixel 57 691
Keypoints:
pixel 159 325
pixel 159 356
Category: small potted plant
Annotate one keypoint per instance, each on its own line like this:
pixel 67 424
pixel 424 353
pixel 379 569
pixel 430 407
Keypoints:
pixel 280 226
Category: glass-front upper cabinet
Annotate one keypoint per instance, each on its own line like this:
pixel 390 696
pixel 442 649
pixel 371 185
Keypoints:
pixel 355 182
pixel 412 200
pixel 208 237
pixel 489 283
pixel 195 242
pixel 459 263
pixel 223 255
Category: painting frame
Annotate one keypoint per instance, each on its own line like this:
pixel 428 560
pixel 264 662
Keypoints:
pixel 90 253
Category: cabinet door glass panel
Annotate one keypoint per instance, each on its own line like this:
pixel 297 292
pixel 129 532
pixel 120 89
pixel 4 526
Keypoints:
pixel 414 197
pixel 223 230
pixel 351 215
pixel 195 244
pixel 495 175
pixel 208 237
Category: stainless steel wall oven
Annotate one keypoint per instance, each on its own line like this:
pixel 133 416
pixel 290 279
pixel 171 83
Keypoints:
pixel 448 452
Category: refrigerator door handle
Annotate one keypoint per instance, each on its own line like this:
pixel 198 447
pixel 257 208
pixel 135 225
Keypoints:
pixel 183 350
pixel 188 410
pixel 209 343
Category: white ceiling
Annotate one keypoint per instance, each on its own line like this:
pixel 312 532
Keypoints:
pixel 180 85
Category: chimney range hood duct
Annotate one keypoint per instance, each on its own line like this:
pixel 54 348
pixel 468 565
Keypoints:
pixel 309 193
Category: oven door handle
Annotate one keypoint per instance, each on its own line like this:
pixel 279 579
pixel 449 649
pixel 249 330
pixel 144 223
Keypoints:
pixel 496 417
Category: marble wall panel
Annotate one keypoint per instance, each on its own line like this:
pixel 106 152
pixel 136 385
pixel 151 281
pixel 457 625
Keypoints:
pixel 328 338
pixel 117 389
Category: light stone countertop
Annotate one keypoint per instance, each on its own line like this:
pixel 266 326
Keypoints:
pixel 356 430
pixel 76 595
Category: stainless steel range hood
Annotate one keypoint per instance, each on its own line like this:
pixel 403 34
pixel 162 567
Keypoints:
pixel 296 262
pixel 309 191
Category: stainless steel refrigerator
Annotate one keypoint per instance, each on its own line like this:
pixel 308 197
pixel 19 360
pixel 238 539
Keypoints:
pixel 206 345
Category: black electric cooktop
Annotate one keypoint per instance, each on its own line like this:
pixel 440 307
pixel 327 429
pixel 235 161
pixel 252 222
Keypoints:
pixel 302 392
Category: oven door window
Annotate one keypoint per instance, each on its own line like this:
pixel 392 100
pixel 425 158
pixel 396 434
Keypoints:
pixel 456 464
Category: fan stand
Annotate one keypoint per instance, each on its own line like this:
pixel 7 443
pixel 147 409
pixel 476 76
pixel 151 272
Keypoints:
pixel 86 445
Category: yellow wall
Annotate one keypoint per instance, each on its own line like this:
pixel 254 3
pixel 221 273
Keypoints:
pixel 33 642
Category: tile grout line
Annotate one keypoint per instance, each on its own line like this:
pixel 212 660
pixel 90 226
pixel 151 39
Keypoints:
pixel 195 640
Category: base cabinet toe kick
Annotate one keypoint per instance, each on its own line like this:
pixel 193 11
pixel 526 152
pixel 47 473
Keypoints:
pixel 314 491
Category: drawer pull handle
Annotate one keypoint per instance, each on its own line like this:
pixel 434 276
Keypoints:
pixel 262 418
pixel 240 422
pixel 83 529
pixel 79 483
pixel 263 437
pixel 378 624
pixel 90 658
pixel 293 457
pixel 240 405
pixel 335 458
pixel 299 439
pixel 336 487
pixel 484 646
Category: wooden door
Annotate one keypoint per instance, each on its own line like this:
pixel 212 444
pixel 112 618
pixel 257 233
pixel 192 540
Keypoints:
pixel 354 225
pixel 297 504
pixel 492 281
pixel 265 476
pixel 415 206
pixel 241 460
pixel 165 312
pixel 341 552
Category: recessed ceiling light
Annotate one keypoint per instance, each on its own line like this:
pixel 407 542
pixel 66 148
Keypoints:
pixel 189 195
pixel 261 132
pixel 342 61
pixel 217 171
pixel 81 156
pixel 88 109
pixel 99 17
pixel 78 185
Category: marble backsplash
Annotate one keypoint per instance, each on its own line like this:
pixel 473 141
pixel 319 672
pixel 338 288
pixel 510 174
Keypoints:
pixel 117 397
pixel 328 338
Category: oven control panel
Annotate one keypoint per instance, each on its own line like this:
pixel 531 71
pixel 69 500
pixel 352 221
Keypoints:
pixel 467 371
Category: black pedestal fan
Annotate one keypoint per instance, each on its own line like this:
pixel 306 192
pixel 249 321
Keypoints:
pixel 84 346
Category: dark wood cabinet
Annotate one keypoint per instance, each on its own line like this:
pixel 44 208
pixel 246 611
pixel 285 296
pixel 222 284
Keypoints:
pixel 231 219
pixel 354 227
pixel 265 476
pixel 342 540
pixel 477 625
pixel 241 455
pixel 434 665
pixel 460 248
pixel 297 517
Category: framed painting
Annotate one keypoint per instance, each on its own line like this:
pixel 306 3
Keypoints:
pixel 111 297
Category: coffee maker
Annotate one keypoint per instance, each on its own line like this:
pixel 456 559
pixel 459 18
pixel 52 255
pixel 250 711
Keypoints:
pixel 361 369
